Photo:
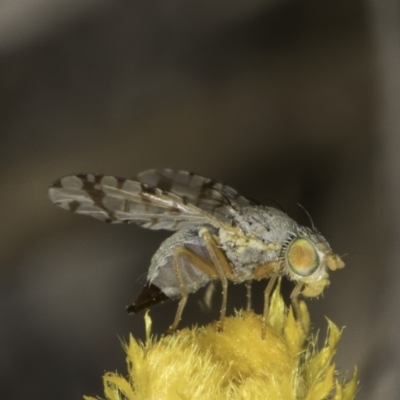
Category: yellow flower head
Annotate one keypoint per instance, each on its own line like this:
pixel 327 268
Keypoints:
pixel 203 363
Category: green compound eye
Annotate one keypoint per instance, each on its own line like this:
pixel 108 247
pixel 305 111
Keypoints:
pixel 302 257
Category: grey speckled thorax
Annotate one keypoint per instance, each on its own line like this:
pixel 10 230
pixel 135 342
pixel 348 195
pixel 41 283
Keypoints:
pixel 261 235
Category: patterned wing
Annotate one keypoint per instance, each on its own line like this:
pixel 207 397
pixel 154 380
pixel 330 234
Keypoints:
pixel 118 200
pixel 211 196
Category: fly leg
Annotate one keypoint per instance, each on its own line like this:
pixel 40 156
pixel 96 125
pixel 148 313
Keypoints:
pixel 248 295
pixel 182 287
pixel 294 297
pixel 181 253
pixel 267 294
pixel 271 270
pixel 222 268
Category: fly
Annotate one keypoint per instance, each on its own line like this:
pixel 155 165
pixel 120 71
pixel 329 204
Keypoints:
pixel 219 235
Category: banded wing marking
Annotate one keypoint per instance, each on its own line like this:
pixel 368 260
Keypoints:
pixel 119 200
pixel 207 194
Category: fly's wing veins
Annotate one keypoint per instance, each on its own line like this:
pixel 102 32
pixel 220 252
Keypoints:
pixel 211 196
pixel 118 200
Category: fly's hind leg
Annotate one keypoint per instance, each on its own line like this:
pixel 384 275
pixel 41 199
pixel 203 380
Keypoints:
pixel 221 267
pixel 182 286
pixel 194 259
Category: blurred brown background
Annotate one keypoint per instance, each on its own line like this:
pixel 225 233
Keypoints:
pixel 295 101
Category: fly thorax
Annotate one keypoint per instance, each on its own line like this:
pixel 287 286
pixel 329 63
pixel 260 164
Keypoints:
pixel 246 252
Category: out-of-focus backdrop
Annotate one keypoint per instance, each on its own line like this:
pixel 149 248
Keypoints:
pixel 295 101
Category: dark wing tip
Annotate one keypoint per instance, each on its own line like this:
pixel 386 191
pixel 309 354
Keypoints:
pixel 149 296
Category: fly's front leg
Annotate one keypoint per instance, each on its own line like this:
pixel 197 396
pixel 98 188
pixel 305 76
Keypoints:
pixel 222 267
pixel 294 297
pixel 271 270
pixel 267 294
